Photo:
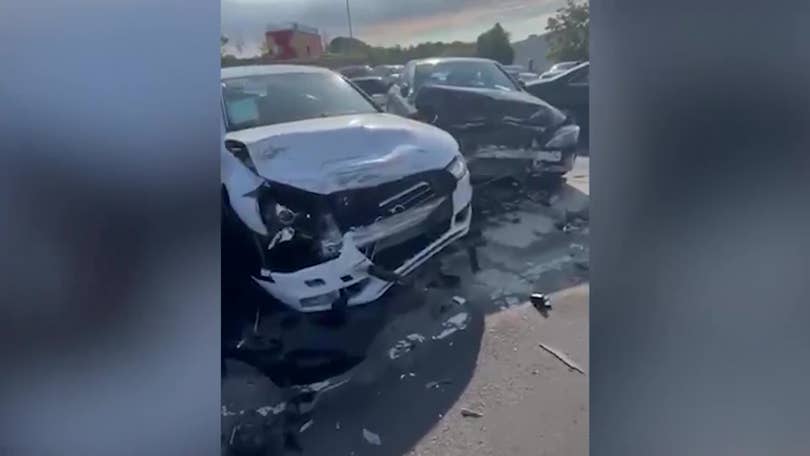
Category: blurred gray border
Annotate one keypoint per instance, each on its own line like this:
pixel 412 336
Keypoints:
pixel 700 222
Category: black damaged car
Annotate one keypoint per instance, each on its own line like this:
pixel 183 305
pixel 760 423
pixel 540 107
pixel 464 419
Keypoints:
pixel 501 129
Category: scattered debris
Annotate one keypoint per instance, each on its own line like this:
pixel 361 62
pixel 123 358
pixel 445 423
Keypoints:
pixel 275 409
pixel 459 300
pixel 225 411
pixel 405 345
pixel 337 425
pixel 535 372
pixel 437 384
pixel 541 302
pixel 562 357
pixel 321 387
pixel 305 426
pixel 371 437
pixel 453 324
pixel 409 374
pixel 471 413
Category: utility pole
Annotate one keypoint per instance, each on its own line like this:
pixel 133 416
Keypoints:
pixel 349 15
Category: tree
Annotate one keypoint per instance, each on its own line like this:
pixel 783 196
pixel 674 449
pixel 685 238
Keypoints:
pixel 494 44
pixel 223 40
pixel 568 32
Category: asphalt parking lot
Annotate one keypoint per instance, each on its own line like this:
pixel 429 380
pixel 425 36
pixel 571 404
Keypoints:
pixel 457 337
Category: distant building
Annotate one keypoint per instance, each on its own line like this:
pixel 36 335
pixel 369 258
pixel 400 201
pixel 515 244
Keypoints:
pixel 293 41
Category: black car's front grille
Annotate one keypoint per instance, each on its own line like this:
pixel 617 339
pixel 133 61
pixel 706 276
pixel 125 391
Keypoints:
pixel 364 206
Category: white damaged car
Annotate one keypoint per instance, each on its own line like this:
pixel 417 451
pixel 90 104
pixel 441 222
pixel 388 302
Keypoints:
pixel 339 199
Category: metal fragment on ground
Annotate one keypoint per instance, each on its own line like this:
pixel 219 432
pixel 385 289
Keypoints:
pixel 562 357
pixel 459 300
pixel 371 437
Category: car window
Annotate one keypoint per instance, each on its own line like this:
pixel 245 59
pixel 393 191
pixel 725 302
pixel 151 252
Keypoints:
pixel 287 97
pixel 463 73
pixel 371 86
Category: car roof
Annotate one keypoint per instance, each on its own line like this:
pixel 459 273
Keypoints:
pixel 263 70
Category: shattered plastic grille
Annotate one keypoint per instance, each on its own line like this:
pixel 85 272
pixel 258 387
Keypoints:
pixel 365 206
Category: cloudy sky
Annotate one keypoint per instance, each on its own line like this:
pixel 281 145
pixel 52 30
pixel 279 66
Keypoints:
pixel 388 22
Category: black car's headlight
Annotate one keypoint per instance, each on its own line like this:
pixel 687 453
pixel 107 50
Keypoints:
pixel 457 167
pixel 564 138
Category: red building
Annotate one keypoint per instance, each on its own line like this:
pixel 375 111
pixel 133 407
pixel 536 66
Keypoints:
pixel 294 41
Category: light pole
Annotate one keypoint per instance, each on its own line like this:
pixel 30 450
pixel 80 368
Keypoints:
pixel 349 15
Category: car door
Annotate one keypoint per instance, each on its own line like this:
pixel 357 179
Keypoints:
pixel 399 101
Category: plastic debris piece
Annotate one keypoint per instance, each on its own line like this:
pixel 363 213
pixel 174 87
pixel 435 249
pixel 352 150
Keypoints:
pixel 274 409
pixel 459 300
pixel 305 426
pixel 540 300
pixel 455 323
pixel 437 384
pixel 371 437
pixel 471 413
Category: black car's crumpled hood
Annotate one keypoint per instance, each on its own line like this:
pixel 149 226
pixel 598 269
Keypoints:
pixel 487 116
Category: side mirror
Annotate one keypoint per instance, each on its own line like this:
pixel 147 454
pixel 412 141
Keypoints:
pixel 404 90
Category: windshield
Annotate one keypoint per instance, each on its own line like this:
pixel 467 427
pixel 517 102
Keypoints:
pixel 387 70
pixel 563 66
pixel 357 71
pixel 257 101
pixel 371 86
pixel 484 75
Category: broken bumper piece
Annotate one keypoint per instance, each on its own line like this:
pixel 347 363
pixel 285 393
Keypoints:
pixel 398 245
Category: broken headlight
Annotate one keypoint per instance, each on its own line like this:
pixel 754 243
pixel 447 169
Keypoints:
pixel 457 167
pixel 564 138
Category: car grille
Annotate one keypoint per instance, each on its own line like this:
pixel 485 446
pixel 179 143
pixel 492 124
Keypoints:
pixel 353 208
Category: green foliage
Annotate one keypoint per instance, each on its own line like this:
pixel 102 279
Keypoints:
pixel 494 44
pixel 345 45
pixel 375 55
pixel 568 32
pixel 223 40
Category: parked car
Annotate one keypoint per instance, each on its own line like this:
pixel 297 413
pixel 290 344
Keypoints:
pixel 568 91
pixel 339 199
pixel 389 73
pixel 502 129
pixel 374 86
pixel 558 68
pixel 356 71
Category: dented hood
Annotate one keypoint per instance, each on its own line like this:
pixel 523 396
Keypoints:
pixel 346 152
pixel 461 106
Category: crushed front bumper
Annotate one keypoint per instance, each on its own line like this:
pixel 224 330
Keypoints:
pixel 494 162
pixel 347 277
